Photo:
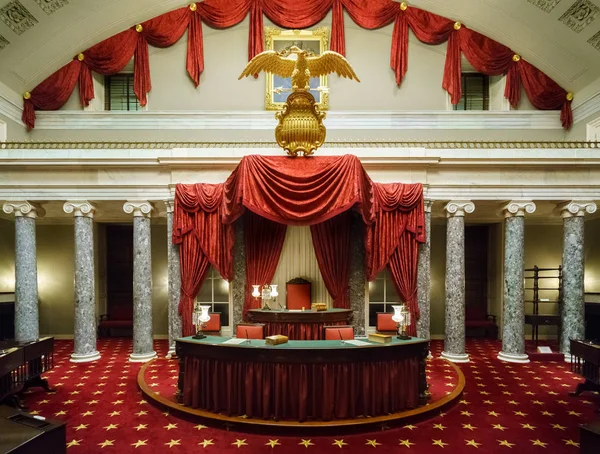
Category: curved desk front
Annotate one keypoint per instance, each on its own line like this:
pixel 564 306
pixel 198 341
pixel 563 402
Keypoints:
pixel 299 325
pixel 302 380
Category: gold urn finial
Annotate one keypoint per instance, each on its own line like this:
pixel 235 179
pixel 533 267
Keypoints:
pixel 300 128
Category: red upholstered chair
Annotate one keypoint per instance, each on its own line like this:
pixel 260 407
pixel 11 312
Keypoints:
pixel 250 331
pixel 344 332
pixel 120 317
pixel 297 294
pixel 385 324
pixel 478 322
pixel 213 326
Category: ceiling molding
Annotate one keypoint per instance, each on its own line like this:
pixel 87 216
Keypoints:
pixel 588 107
pixel 264 120
pixel 11 110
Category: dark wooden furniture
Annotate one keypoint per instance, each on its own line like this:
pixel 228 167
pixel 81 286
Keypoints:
pixel 589 438
pixel 541 294
pixel 299 325
pixel 302 380
pixel 585 361
pixel 7 315
pixel 22 433
pixel 592 316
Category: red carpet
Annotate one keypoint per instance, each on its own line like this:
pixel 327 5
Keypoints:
pixel 505 408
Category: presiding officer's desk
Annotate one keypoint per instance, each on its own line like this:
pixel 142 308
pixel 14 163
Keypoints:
pixel 299 325
pixel 302 380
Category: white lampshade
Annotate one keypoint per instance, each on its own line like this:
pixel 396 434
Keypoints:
pixel 398 316
pixel 274 292
pixel 204 317
pixel 255 291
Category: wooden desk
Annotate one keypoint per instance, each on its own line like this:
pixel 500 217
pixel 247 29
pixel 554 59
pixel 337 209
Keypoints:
pixel 585 361
pixel 302 380
pixel 299 325
pixel 24 434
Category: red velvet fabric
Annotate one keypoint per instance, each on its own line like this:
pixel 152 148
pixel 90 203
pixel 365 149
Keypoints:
pixel 403 270
pixel 301 392
pixel 263 241
pixel 331 241
pixel 298 331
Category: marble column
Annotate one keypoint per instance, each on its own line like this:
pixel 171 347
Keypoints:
pixel 513 331
pixel 454 343
pixel 143 348
pixel 84 345
pixel 174 277
pixel 238 284
pixel 573 303
pixel 26 286
pixel 424 278
pixel 357 276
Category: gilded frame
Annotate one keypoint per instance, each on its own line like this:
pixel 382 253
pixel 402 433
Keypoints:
pixel 315 40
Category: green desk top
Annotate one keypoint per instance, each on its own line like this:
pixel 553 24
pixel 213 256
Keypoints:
pixel 299 344
pixel 297 311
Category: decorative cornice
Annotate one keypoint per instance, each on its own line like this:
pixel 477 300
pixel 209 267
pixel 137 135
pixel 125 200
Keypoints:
pixel 518 208
pixel 576 208
pixel 11 110
pixel 170 204
pixel 264 120
pixel 428 205
pixel 24 208
pixel 139 208
pixel 588 107
pixel 456 208
pixel 80 209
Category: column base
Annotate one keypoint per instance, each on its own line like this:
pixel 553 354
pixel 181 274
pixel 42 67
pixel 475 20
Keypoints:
pixel 87 357
pixel 567 357
pixel 520 358
pixel 171 352
pixel 456 358
pixel 141 357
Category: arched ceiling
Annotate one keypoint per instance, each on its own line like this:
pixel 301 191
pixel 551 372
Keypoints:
pixel 561 37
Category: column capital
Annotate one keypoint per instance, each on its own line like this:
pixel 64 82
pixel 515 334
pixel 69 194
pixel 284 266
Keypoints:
pixel 576 208
pixel 428 205
pixel 170 204
pixel 457 208
pixel 81 208
pixel 24 208
pixel 518 208
pixel 139 208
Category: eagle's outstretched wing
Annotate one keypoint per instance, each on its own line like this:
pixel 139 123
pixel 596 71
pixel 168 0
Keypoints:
pixel 269 61
pixel 330 62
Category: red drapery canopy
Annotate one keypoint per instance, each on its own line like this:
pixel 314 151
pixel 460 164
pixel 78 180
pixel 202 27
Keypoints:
pixel 111 55
pixel 298 191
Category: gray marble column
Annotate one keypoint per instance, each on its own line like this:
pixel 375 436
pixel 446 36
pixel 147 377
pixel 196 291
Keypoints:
pixel 84 344
pixel 454 343
pixel 174 277
pixel 26 287
pixel 357 276
pixel 573 303
pixel 513 331
pixel 143 348
pixel 424 278
pixel 238 284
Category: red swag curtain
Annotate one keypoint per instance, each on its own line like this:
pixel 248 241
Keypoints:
pixel 403 268
pixel 263 241
pixel 331 240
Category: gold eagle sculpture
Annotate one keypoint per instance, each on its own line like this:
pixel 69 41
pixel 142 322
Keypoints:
pixel 300 69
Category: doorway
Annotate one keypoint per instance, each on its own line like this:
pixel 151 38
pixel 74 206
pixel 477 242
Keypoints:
pixel 476 281
pixel 119 273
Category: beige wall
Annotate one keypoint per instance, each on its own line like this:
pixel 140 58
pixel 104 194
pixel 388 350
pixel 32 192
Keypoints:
pixel 7 256
pixel 160 298
pixel 592 256
pixel 438 272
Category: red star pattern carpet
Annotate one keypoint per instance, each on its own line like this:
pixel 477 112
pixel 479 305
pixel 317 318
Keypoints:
pixel 504 408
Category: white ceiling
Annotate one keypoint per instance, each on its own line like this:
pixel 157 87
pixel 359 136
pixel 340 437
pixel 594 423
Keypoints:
pixel 567 49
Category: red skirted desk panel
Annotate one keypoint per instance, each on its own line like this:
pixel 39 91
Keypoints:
pixel 299 325
pixel 302 380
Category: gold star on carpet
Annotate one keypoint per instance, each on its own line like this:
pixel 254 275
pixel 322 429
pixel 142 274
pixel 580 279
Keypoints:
pixel 141 426
pixel 273 443
pixel 439 443
pixel 118 393
pixel 166 413
pixel 519 413
pixel 96 393
pixel 472 443
pixel 571 443
pixel 527 426
pixel 464 402
pixel 409 427
pixel 537 402
pixel 206 443
pixel 513 402
pixel 489 402
pixel 87 413
pixel 141 402
pixel 240 443
pixel 117 402
pixel 200 427
pixel 114 413
pixel 466 413
pixel 493 413
pixel 111 426
pixel 306 443
pixel 505 443
pixel 175 443
pixel 74 392
pixel 106 443
pixel 469 427
pixel 562 402
pixel 73 443
pixel 498 426
pixel 574 413
pixel 34 412
pixel 43 401
pixel 484 393
pixel 60 413
pixel 508 393
pixel 81 426
pixel 339 443
pixel 547 413
pixel 372 443
pixel 439 426
pixel 170 426
pixel 141 413
pixel 538 443
pixel 92 402
pixel 139 443
pixel 558 426
pixel 406 443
